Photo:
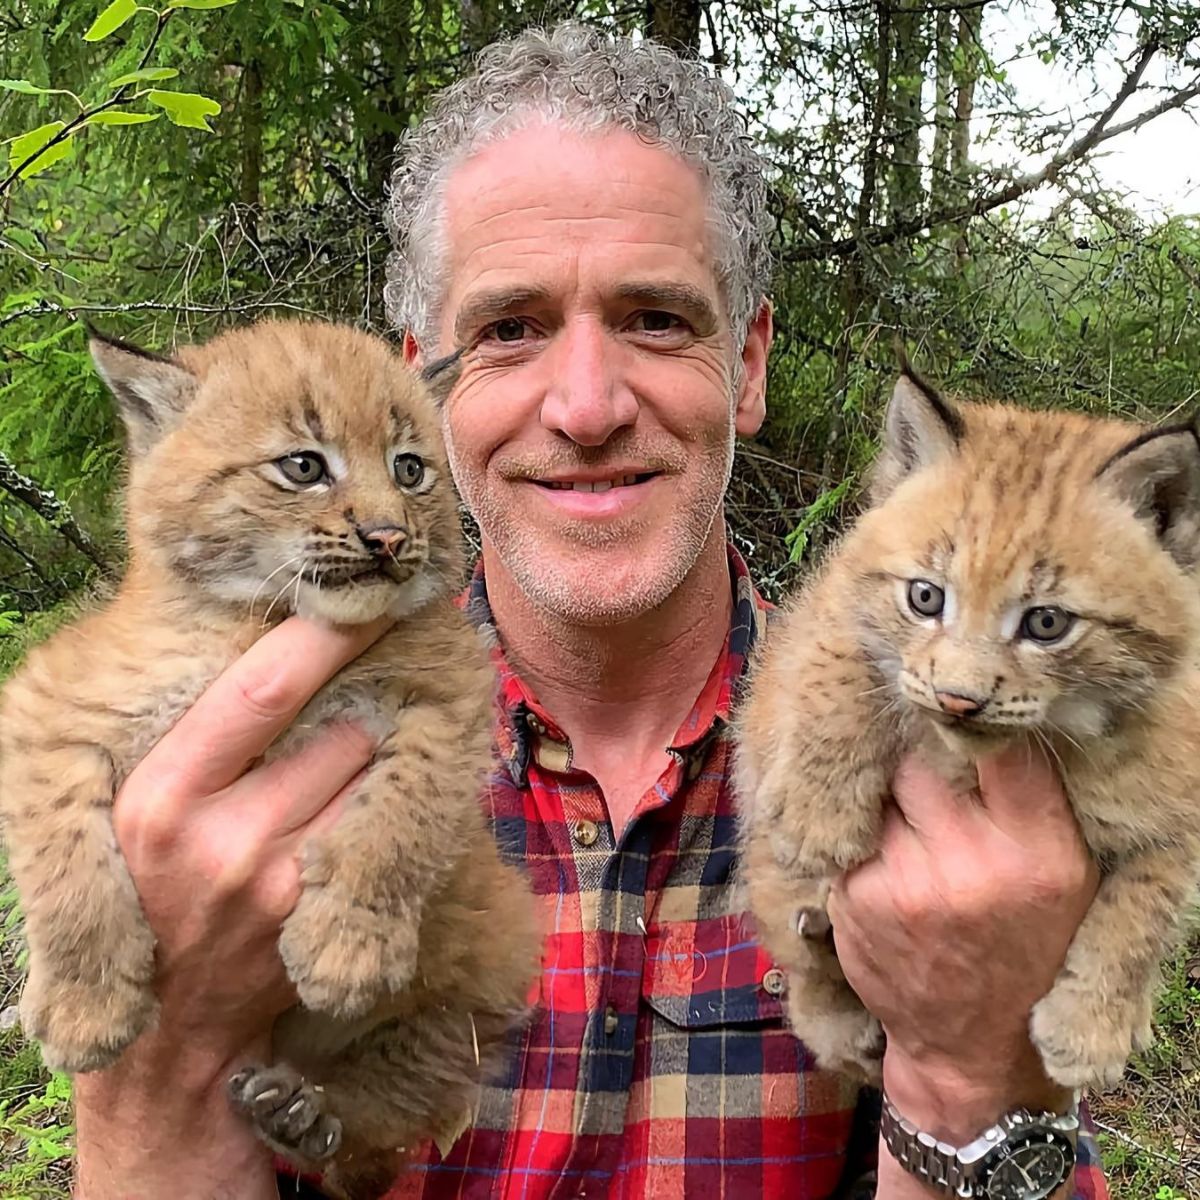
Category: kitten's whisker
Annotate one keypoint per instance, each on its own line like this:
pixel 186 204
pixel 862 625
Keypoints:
pixel 278 595
pixel 263 584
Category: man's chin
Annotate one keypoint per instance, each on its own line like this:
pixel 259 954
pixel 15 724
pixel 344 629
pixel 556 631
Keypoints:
pixel 596 585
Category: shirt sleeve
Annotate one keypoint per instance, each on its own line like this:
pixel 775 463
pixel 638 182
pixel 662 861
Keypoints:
pixel 862 1158
pixel 1089 1172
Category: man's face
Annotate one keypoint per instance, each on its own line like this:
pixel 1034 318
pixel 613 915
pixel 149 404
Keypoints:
pixel 591 432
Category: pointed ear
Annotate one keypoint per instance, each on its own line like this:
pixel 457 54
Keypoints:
pixel 151 392
pixel 442 374
pixel 1158 476
pixel 920 429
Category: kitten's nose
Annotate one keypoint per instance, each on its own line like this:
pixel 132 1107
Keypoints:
pixel 383 540
pixel 960 704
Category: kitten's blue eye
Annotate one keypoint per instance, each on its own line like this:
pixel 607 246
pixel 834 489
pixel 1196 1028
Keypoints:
pixel 926 599
pixel 303 469
pixel 408 469
pixel 1046 624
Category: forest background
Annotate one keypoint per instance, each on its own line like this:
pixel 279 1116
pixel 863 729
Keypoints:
pixel 1003 182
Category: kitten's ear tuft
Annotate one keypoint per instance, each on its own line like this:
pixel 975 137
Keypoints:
pixel 921 428
pixel 1158 475
pixel 151 392
pixel 442 374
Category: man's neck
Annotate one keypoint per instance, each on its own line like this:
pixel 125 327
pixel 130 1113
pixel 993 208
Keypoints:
pixel 619 692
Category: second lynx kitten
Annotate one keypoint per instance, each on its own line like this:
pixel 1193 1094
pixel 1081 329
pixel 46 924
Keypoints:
pixel 285 467
pixel 1020 577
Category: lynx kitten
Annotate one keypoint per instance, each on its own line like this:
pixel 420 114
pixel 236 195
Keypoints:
pixel 1020 577
pixel 290 467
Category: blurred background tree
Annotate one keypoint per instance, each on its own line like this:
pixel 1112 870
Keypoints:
pixel 977 177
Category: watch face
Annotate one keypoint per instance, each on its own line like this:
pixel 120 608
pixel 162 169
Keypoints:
pixel 1032 1168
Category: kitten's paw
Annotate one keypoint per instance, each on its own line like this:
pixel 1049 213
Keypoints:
pixel 1085 1043
pixel 287 1112
pixel 343 957
pixel 83 1027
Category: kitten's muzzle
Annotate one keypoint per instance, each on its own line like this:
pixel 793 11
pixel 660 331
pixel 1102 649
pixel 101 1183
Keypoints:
pixel 383 541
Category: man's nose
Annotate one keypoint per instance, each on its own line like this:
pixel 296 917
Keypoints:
pixel 587 399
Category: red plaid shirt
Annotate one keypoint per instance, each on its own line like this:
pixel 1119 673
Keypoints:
pixel 657 1063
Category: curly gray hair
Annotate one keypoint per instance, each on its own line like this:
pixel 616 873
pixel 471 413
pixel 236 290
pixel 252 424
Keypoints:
pixel 584 80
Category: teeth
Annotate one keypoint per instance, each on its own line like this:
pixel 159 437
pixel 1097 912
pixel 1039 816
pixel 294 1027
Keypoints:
pixel 603 485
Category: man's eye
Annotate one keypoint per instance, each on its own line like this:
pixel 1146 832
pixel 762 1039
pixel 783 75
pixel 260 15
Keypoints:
pixel 511 329
pixel 658 322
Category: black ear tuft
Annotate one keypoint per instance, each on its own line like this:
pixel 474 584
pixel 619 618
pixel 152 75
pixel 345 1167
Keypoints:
pixel 1158 475
pixel 442 374
pixel 920 429
pixel 151 391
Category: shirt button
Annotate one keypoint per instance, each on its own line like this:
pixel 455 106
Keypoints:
pixel 774 982
pixel 610 1021
pixel 535 723
pixel 585 833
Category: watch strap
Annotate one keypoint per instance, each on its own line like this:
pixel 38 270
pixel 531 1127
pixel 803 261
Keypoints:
pixel 932 1161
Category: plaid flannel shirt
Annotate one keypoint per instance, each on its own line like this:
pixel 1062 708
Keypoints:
pixel 657 1063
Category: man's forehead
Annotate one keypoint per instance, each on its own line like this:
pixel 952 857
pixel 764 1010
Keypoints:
pixel 544 206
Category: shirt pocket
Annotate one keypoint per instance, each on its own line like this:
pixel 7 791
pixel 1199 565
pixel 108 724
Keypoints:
pixel 711 972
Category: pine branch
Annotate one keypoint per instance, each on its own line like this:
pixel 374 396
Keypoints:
pixel 50 508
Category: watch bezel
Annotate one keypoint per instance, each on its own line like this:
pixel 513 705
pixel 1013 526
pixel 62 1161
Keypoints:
pixel 1027 1133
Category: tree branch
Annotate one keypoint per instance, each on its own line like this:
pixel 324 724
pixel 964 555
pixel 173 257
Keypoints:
pixel 50 508
pixel 80 119
pixel 1099 132
pixel 52 307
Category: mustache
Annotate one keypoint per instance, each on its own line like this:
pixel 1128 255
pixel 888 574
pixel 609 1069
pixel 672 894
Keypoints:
pixel 639 453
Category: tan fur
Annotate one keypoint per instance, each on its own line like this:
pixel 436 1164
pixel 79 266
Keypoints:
pixel 412 947
pixel 1024 509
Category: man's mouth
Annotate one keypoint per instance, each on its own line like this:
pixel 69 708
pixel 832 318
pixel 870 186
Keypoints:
pixel 597 485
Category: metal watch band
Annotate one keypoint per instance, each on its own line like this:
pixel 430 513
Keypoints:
pixel 1018 1140
pixel 935 1163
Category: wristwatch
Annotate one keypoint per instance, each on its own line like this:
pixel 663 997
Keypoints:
pixel 1024 1156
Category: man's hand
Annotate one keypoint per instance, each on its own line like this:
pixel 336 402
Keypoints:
pixel 212 847
pixel 955 930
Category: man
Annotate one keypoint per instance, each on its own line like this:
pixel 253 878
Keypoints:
pixel 585 216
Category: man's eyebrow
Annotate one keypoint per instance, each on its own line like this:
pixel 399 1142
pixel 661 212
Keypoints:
pixel 673 295
pixel 486 306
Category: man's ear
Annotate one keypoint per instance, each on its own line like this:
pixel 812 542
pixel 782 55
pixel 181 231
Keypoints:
pixel 151 392
pixel 752 385
pixel 1158 476
pixel 920 429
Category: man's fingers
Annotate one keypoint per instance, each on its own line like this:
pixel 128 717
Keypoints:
pixel 1019 783
pixel 250 704
pixel 292 791
pixel 925 800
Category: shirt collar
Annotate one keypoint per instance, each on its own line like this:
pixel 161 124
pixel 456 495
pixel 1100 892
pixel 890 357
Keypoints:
pixel 525 730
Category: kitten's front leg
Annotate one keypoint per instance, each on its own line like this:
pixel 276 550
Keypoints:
pixel 354 933
pixel 1099 1010
pixel 823 1010
pixel 89 992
